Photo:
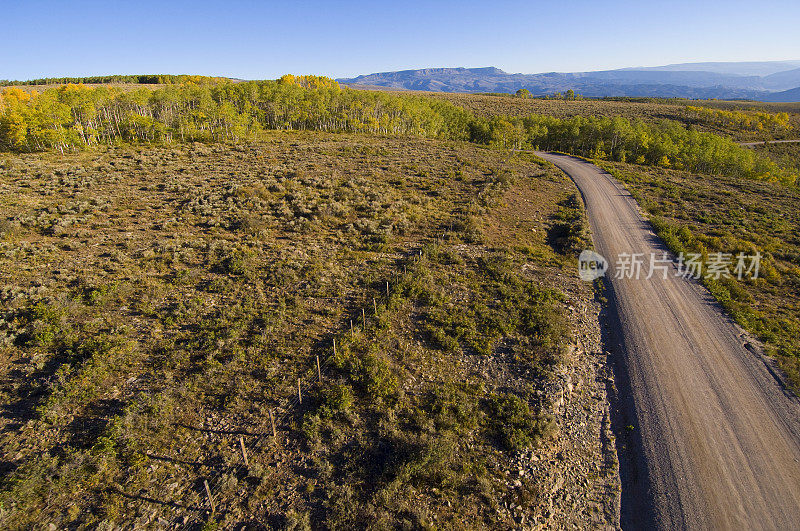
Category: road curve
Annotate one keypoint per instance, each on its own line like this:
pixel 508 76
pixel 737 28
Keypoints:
pixel 715 442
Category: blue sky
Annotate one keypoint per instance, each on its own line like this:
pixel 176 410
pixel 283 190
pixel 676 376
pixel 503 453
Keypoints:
pixel 256 40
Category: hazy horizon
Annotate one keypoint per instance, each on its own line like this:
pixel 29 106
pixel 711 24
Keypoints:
pixel 633 67
pixel 637 67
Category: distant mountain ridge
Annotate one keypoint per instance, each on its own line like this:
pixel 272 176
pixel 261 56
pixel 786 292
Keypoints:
pixel 721 80
pixel 784 96
pixel 744 68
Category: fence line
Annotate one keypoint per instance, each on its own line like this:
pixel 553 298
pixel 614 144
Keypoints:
pixel 295 400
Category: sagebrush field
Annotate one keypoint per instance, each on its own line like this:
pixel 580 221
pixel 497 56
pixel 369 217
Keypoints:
pixel 161 305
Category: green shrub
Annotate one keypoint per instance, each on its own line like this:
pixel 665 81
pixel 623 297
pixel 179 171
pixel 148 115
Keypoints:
pixel 515 424
pixel 47 326
pixel 237 262
pixel 453 407
pixel 337 399
pixel 377 379
pixel 569 233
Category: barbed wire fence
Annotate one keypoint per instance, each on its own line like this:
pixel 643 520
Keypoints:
pixel 270 441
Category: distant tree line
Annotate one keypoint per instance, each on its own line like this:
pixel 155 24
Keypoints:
pixel 666 143
pixel 741 120
pixel 73 117
pixel 146 79
pixel 524 93
pixel 569 95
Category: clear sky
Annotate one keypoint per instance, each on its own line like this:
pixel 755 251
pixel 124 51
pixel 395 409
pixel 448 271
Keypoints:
pixel 257 40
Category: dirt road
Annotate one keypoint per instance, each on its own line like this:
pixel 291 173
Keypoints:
pixel 750 144
pixel 714 440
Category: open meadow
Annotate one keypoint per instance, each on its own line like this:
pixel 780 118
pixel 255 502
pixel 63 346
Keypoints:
pixel 161 306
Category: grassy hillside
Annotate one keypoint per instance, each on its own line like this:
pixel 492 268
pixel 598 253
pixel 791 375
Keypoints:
pixel 160 305
pixel 786 154
pixel 646 109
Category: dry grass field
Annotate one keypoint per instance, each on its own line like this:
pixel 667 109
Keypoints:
pixel 160 305
pixel 787 154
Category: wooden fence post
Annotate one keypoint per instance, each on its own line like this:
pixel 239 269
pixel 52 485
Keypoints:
pixel 208 493
pixel 244 451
